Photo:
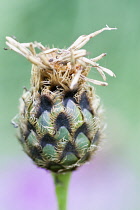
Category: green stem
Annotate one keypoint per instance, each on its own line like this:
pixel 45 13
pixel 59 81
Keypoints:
pixel 61 182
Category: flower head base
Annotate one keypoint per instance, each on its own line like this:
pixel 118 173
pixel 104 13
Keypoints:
pixel 59 119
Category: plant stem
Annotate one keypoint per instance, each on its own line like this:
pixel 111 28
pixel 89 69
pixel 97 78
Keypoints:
pixel 61 182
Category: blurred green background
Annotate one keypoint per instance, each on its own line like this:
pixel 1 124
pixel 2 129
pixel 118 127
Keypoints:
pixel 60 22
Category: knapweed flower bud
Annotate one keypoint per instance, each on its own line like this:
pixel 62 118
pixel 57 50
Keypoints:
pixel 59 118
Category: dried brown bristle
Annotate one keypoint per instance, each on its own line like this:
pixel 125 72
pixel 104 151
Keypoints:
pixel 65 67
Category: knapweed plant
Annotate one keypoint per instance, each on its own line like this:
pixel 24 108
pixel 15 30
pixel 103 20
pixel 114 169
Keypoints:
pixel 59 122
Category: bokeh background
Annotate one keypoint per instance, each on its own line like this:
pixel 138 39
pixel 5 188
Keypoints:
pixel 112 179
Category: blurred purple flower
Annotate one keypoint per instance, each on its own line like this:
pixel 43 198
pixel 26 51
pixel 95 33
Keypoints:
pixel 26 187
pixel 101 185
